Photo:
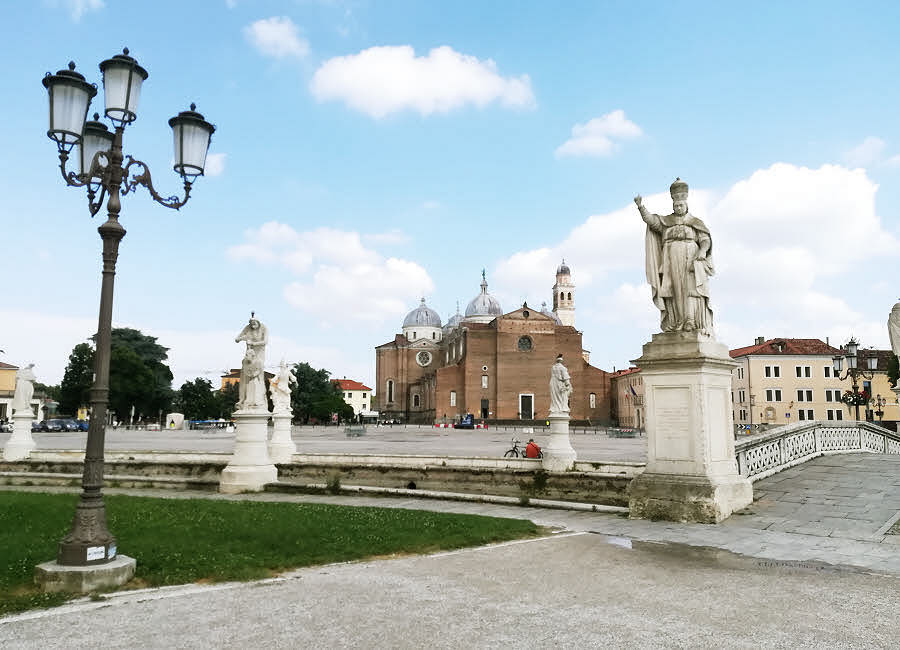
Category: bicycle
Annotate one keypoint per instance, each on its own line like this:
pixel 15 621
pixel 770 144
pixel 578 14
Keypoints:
pixel 515 452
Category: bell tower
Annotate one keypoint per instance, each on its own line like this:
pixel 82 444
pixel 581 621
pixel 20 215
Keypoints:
pixel 564 295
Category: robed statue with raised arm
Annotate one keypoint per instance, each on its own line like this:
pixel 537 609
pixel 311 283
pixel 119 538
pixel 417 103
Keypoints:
pixel 252 386
pixel 679 264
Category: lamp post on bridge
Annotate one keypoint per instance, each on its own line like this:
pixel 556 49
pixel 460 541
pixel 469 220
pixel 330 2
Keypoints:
pixel 854 372
pixel 879 403
pixel 100 170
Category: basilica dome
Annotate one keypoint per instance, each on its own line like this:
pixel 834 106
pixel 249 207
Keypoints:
pixel 484 307
pixel 422 316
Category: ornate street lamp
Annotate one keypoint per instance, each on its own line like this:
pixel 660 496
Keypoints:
pixel 879 403
pixel 854 372
pixel 101 170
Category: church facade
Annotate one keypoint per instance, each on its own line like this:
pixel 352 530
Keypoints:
pixel 491 364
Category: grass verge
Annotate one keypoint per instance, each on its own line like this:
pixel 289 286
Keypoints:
pixel 179 541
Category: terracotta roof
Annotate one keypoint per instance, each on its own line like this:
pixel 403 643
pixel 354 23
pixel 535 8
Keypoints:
pixel 7 366
pixel 621 373
pixel 787 347
pixel 350 384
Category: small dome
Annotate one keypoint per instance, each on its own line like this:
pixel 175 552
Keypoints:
pixel 422 316
pixel 484 304
pixel 550 314
pixel 454 320
pixel 563 268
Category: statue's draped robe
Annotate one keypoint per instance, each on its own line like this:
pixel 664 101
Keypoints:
pixel 252 388
pixel 680 283
pixel 560 389
pixel 24 389
pixel 894 328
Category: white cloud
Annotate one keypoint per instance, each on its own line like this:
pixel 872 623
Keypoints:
pixel 340 280
pixel 787 243
pixel 600 136
pixel 389 79
pixel 77 8
pixel 866 153
pixel 215 164
pixel 393 237
pixel 277 37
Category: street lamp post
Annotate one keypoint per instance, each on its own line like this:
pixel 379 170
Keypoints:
pixel 101 171
pixel 879 403
pixel 854 372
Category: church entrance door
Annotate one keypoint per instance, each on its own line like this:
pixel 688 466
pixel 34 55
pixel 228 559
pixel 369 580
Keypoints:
pixel 485 404
pixel 526 407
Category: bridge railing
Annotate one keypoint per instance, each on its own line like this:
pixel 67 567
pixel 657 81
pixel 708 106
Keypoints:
pixel 777 449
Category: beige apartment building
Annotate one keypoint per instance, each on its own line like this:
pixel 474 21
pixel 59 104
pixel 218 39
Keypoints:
pixel 781 381
pixel 627 388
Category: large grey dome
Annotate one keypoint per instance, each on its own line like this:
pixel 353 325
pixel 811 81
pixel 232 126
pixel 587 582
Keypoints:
pixel 484 304
pixel 422 316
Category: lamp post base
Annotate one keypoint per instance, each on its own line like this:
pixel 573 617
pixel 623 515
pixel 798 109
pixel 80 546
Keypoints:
pixel 20 443
pixel 55 577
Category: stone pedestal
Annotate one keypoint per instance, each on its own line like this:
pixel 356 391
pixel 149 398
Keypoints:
pixel 20 443
pixel 250 467
pixel 691 473
pixel 559 456
pixel 53 577
pixel 281 446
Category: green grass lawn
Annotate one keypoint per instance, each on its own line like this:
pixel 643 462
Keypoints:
pixel 178 541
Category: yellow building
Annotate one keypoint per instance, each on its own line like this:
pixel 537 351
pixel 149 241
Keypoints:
pixel 627 403
pixel 782 380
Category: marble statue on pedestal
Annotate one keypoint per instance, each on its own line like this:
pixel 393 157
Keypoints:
pixel 679 264
pixel 252 387
pixel 25 379
pixel 560 387
pixel 280 388
pixel 894 328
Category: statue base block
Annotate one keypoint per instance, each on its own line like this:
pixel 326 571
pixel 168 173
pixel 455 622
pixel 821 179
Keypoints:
pixel 559 456
pixel 693 499
pixel 53 577
pixel 250 467
pixel 691 472
pixel 21 442
pixel 281 446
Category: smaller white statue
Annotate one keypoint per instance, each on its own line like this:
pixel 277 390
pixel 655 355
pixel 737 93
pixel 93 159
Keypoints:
pixel 24 388
pixel 252 386
pixel 560 387
pixel 280 388
pixel 894 328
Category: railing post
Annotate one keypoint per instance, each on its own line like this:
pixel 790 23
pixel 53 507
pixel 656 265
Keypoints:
pixel 818 432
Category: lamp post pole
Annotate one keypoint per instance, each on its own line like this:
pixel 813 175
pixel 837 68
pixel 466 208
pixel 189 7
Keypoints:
pixel 853 371
pixel 101 170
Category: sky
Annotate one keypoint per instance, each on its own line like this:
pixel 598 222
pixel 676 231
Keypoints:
pixel 368 154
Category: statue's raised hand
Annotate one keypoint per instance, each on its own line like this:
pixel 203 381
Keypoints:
pixel 638 200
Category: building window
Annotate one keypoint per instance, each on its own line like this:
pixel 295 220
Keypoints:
pixel 347 395
pixel 562 296
pixel 832 395
pixel 740 373
pixel 484 381
pixel 773 394
pixel 867 387
pixel 805 414
pixel 364 396
pixel 525 344
pixel 742 396
pixel 827 372
pixel 743 415
pixel 804 395
pixel 592 399
pixel 773 371
pixel 416 401
pixel 390 390
pixel 414 335
pixel 834 414
pixel 803 371
pixel 452 398
pixel 570 295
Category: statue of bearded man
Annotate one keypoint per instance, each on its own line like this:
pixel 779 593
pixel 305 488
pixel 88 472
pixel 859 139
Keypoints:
pixel 679 264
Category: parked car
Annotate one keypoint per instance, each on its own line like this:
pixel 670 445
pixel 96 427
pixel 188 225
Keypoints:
pixel 38 426
pixel 83 425
pixel 69 425
pixel 53 425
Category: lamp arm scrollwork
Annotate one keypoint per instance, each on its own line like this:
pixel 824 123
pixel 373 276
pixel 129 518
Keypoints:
pixel 130 184
pixel 96 179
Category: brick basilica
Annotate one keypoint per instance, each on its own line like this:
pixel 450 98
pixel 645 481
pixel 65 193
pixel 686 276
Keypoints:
pixel 492 364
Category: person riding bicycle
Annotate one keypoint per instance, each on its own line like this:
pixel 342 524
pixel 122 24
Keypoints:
pixel 532 450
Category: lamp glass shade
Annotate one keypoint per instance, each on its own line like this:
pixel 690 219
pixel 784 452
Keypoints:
pixel 838 362
pixel 851 362
pixel 70 97
pixel 192 135
pixel 96 138
pixel 122 79
pixel 852 348
pixel 873 363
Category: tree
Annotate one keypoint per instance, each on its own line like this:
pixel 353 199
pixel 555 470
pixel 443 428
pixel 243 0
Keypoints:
pixel 315 396
pixel 157 393
pixel 74 390
pixel 131 384
pixel 198 401
pixel 228 398
pixel 893 370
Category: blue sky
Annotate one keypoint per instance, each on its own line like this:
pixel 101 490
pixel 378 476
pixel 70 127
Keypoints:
pixel 370 153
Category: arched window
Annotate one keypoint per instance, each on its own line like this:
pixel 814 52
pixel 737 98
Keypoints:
pixel 390 390
pixel 570 295
pixel 592 398
pixel 562 296
pixel 433 335
pixel 415 401
pixel 414 335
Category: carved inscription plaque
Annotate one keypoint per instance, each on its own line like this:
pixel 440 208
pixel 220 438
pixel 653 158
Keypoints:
pixel 672 415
